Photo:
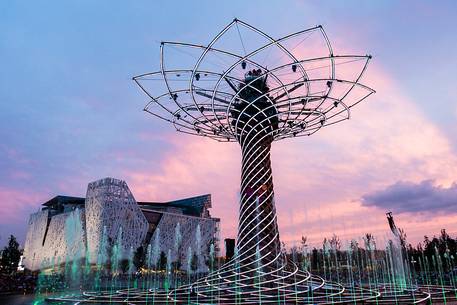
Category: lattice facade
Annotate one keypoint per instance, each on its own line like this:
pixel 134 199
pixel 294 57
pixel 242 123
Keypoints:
pixel 61 234
pixel 189 232
pixel 53 240
pixel 111 206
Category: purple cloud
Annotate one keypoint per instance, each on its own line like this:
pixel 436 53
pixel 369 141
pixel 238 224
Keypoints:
pixel 409 197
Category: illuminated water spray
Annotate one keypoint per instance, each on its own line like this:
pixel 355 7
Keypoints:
pixel 247 87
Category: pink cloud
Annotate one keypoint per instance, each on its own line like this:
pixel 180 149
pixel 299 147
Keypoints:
pixel 196 166
pixel 17 204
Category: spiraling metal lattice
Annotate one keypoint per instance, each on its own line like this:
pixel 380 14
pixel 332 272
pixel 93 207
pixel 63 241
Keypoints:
pixel 386 294
pixel 256 102
pixel 236 96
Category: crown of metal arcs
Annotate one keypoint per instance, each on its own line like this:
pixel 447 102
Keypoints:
pixel 295 84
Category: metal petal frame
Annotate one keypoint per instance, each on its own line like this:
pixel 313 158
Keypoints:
pixel 295 103
pixel 205 111
pixel 298 104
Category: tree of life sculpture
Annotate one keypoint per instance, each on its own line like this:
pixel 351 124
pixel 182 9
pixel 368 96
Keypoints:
pixel 266 91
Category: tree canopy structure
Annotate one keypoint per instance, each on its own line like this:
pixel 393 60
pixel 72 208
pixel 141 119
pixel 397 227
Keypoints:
pixel 264 91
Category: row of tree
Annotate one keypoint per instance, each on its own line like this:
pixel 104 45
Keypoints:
pixel 140 261
pixel 441 249
pixel 438 248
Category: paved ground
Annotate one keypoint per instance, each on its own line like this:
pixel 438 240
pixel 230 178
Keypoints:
pixel 17 299
pixel 30 300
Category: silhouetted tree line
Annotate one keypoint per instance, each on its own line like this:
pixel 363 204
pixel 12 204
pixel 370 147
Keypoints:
pixel 332 255
pixel 439 252
pixel 357 262
pixel 140 261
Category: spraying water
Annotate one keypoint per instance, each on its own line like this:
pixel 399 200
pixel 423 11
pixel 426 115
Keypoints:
pixel 149 256
pixel 198 245
pixel 395 252
pixel 116 256
pixel 211 256
pixel 189 260
pixel 75 247
pixel 178 240
pixel 156 248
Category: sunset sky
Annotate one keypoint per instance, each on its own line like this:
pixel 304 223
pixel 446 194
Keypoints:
pixel 70 114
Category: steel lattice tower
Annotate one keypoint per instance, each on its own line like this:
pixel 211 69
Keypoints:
pixel 233 96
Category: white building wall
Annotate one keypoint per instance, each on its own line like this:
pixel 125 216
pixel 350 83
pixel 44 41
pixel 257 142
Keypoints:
pixel 188 225
pixel 111 206
pixel 65 239
pixel 33 251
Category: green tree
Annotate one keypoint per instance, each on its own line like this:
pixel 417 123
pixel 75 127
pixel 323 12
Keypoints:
pixel 176 266
pixel 370 243
pixel 162 261
pixel 138 258
pixel 304 255
pixel 124 265
pixel 335 243
pixel 303 243
pixel 194 263
pixel 444 246
pixel 10 255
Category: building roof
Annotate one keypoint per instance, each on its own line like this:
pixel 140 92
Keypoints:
pixel 193 206
pixel 58 200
